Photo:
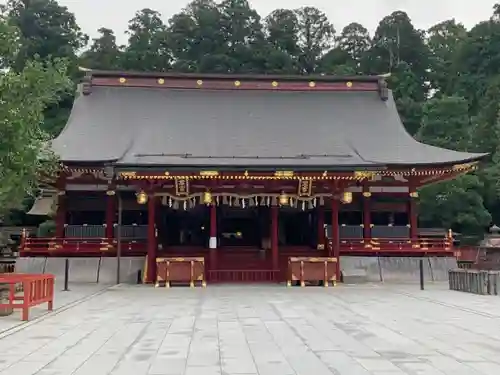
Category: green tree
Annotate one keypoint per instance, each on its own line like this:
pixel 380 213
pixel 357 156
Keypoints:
pixel 407 90
pixel 444 41
pixel 47 29
pixel 478 61
pixel 282 31
pixel 103 53
pixel 350 53
pixel 396 41
pixel 243 35
pixel 486 136
pixel 455 204
pixel 147 48
pixel 24 147
pixel 195 39
pixel 315 37
pixel 446 123
pixel 459 203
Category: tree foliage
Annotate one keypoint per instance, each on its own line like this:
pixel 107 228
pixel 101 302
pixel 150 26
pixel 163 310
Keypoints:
pixel 445 80
pixel 25 153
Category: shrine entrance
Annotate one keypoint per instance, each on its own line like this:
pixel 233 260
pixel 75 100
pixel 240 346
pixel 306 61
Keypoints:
pixel 244 243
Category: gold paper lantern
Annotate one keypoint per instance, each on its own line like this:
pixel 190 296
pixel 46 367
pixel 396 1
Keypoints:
pixel 142 197
pixel 207 197
pixel 283 199
pixel 346 197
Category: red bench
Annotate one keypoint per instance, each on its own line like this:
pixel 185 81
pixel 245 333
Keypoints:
pixel 37 289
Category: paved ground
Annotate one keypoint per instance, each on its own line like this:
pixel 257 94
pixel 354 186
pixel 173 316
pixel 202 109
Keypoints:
pixel 265 330
pixel 62 299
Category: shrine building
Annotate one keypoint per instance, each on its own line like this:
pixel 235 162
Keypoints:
pixel 244 172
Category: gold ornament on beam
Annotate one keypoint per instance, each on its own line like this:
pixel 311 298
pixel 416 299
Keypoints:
pixel 305 188
pixel 207 198
pixel 283 199
pixel 347 197
pixel 182 187
pixel 142 197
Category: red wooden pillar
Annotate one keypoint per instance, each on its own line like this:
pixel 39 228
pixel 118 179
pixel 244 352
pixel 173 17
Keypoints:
pixel 60 214
pixel 212 243
pixel 336 234
pixel 367 218
pixel 152 246
pixel 275 237
pixel 413 218
pixel 320 210
pixel 110 214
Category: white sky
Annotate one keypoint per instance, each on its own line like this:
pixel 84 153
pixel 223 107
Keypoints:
pixel 114 14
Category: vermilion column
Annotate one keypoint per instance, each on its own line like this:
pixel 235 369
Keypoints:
pixel 413 218
pixel 152 248
pixel 60 214
pixel 336 234
pixel 110 214
pixel 274 236
pixel 321 227
pixel 212 244
pixel 367 218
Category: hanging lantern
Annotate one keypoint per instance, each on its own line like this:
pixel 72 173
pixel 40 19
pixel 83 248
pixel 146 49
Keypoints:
pixel 142 197
pixel 347 197
pixel 283 199
pixel 207 197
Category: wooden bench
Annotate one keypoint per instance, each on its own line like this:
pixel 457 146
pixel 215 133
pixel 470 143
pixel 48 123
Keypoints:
pixel 189 270
pixel 312 270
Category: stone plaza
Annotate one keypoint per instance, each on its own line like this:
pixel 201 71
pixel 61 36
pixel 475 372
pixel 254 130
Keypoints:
pixel 260 330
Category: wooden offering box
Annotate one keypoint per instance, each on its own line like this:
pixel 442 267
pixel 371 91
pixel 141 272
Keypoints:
pixel 312 270
pixel 180 270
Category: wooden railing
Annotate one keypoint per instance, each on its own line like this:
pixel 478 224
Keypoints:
pixel 64 247
pixel 36 289
pixel 396 246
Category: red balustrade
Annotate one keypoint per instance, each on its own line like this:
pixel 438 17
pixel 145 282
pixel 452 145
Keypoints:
pixel 36 289
pixel 78 247
pixel 396 247
pixel 67 247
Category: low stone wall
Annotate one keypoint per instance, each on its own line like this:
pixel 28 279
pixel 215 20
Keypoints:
pixel 475 281
pixel 84 270
pixel 394 269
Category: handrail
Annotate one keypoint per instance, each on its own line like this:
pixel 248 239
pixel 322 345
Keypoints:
pixel 36 289
pixel 98 246
pixel 54 246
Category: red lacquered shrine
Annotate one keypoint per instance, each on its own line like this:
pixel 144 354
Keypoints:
pixel 243 172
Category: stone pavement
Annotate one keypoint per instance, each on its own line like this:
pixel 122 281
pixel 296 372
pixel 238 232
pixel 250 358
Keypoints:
pixel 264 330
pixel 77 292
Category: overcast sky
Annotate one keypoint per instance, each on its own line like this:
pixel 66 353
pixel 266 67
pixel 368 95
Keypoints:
pixel 114 14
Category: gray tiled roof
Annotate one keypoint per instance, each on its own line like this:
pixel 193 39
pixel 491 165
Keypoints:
pixel 169 127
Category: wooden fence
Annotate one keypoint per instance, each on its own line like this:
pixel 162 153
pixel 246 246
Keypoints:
pixel 475 281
